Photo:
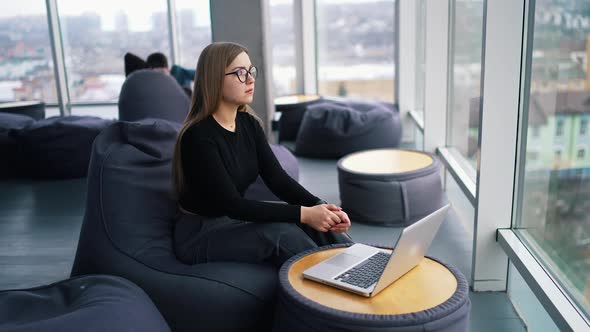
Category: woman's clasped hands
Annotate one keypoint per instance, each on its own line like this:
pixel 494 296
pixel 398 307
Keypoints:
pixel 325 217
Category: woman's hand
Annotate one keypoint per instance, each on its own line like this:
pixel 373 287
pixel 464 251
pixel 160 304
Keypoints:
pixel 344 225
pixel 320 217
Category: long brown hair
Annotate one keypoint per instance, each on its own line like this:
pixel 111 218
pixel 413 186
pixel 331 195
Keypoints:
pixel 207 92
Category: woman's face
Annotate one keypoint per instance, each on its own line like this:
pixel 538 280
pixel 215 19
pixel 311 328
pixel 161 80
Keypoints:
pixel 235 91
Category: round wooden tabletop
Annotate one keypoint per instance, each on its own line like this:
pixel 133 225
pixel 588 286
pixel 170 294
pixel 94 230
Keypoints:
pixel 385 161
pixel 427 285
pixel 295 99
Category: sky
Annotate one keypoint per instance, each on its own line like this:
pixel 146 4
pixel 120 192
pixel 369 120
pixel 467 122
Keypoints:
pixel 139 12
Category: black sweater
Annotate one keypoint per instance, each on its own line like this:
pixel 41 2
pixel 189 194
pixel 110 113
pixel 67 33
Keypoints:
pixel 219 165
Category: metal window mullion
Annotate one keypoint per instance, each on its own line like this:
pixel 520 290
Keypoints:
pixel 526 65
pixel 396 36
pixel 175 56
pixel 405 69
pixel 500 91
pixel 57 52
pixel 459 174
pixel 436 70
pixel 304 28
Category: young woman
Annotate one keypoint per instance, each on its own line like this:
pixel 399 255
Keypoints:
pixel 220 151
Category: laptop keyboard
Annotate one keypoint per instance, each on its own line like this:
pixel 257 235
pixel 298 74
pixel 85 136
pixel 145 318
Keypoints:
pixel 366 273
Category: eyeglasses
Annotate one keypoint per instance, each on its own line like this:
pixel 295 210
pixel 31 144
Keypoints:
pixel 243 73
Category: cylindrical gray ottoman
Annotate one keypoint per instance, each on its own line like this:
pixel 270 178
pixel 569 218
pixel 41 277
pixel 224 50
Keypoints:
pixel 390 187
pixel 431 297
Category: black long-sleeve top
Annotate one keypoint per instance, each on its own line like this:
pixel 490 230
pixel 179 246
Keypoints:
pixel 219 165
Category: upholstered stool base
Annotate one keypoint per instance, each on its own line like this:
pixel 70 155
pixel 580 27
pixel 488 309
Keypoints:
pixel 390 187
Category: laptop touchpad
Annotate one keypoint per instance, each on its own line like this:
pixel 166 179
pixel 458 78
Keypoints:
pixel 343 260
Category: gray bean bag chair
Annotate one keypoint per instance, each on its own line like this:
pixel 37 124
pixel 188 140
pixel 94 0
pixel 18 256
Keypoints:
pixel 91 304
pixel 127 231
pixel 9 144
pixel 150 94
pixel 258 190
pixel 32 109
pixel 330 130
pixel 291 117
pixel 292 114
pixel 296 313
pixel 58 147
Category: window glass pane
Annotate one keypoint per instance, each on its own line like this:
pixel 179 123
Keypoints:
pixel 465 77
pixel 555 210
pixel 97 37
pixel 356 48
pixel 193 19
pixel 527 305
pixel 283 47
pixel 26 63
pixel 420 54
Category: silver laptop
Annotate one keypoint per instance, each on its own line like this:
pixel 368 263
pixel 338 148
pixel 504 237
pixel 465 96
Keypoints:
pixel 366 270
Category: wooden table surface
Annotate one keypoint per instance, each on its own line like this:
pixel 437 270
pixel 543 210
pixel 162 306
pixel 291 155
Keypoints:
pixel 427 285
pixel 386 161
pixel 295 99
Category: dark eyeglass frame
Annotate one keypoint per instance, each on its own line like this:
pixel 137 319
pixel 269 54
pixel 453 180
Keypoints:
pixel 248 72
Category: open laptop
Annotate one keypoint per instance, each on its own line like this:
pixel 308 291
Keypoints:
pixel 366 270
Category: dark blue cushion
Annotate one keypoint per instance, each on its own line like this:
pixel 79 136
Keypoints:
pixel 58 147
pixel 33 109
pixel 127 231
pixel 92 303
pixel 150 94
pixel 9 144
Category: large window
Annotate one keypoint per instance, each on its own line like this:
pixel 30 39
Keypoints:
pixel 26 65
pixel 555 188
pixel 96 38
pixel 356 48
pixel 194 30
pixel 283 47
pixel 465 77
pixel 420 54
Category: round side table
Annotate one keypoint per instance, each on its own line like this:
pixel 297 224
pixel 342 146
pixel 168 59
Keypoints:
pixel 390 187
pixel 431 297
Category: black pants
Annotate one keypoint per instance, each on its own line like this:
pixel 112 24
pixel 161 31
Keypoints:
pixel 199 239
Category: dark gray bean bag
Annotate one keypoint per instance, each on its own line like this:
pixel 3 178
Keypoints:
pixel 330 130
pixel 147 93
pixel 296 313
pixel 291 117
pixel 58 147
pixel 292 114
pixel 391 199
pixel 91 304
pixel 9 144
pixel 127 231
pixel 32 109
pixel 258 190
